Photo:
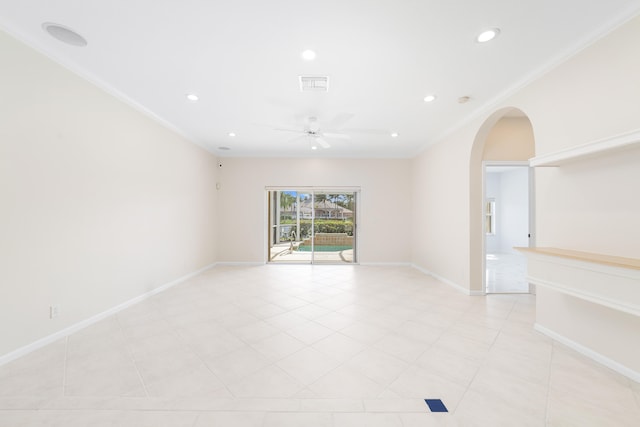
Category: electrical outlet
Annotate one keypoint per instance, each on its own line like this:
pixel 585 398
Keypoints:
pixel 54 311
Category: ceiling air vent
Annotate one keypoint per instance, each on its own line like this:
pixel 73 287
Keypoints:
pixel 314 83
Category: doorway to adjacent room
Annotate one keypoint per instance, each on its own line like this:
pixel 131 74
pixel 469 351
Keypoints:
pixel 508 219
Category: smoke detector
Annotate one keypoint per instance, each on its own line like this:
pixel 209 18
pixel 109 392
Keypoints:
pixel 314 83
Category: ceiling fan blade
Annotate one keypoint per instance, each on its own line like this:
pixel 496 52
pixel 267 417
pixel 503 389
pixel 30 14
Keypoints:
pixel 288 130
pixel 336 135
pixel 297 138
pixel 367 131
pixel 340 120
pixel 323 143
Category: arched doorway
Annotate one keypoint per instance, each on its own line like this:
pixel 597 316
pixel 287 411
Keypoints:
pixel 506 137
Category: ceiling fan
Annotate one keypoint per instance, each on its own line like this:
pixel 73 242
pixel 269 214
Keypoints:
pixel 312 130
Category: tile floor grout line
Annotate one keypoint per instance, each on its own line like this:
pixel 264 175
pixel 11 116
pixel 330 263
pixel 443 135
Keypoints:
pixel 473 378
pixel 132 356
pixel 323 375
pixel 64 367
pixel 463 310
pixel 409 365
pixel 546 408
pixel 272 363
pixel 190 347
pixel 197 419
pixel 483 363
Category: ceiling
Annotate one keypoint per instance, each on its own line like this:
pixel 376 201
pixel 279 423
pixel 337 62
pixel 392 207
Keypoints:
pixel 243 60
pixel 502 169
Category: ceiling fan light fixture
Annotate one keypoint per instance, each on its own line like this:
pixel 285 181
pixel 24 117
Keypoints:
pixel 232 134
pixel 313 125
pixel 430 98
pixel 487 35
pixel 394 134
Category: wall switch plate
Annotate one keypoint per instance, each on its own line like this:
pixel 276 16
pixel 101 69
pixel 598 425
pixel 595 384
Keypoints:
pixel 54 311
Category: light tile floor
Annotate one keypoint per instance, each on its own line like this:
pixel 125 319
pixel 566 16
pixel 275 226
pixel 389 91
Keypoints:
pixel 283 345
pixel 506 273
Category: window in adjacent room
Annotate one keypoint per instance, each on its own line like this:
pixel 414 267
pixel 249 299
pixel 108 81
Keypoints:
pixel 490 216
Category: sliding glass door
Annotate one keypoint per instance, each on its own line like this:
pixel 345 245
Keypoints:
pixel 312 225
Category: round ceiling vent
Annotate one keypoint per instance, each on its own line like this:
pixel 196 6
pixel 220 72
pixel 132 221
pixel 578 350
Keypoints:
pixel 64 34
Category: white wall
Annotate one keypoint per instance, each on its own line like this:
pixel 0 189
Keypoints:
pixel 612 334
pixel 100 204
pixel 590 205
pixel 513 210
pixel 440 193
pixel 510 189
pixel 492 191
pixel 385 203
pixel 511 138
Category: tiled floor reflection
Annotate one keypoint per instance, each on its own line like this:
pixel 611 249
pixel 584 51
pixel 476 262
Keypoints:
pixel 283 345
pixel 506 273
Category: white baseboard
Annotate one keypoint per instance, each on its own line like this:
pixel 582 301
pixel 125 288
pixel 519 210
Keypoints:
pixel 448 282
pixel 586 351
pixel 93 319
pixel 239 263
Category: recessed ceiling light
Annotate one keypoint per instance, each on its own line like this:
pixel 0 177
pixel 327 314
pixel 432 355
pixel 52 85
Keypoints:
pixel 488 35
pixel 430 98
pixel 394 135
pixel 313 147
pixel 192 97
pixel 232 134
pixel 64 34
pixel 308 55
pixel 224 148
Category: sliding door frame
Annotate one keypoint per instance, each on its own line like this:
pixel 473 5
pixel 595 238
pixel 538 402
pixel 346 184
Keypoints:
pixel 313 190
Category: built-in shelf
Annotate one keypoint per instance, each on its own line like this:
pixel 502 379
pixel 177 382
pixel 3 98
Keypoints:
pixel 589 302
pixel 606 280
pixel 601 146
pixel 613 261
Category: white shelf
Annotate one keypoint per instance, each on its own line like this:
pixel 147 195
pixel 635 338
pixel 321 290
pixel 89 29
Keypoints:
pixel 601 279
pixel 610 260
pixel 611 144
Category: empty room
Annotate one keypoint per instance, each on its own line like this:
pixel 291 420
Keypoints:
pixel 390 213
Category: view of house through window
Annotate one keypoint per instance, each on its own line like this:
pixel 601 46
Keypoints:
pixel 312 225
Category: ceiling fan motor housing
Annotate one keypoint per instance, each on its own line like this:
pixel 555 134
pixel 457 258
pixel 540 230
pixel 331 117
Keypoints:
pixel 314 126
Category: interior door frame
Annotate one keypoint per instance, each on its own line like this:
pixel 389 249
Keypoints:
pixel 532 210
pixel 312 190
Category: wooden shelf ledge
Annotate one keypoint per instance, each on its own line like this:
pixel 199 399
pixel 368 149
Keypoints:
pixel 606 280
pixel 613 261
